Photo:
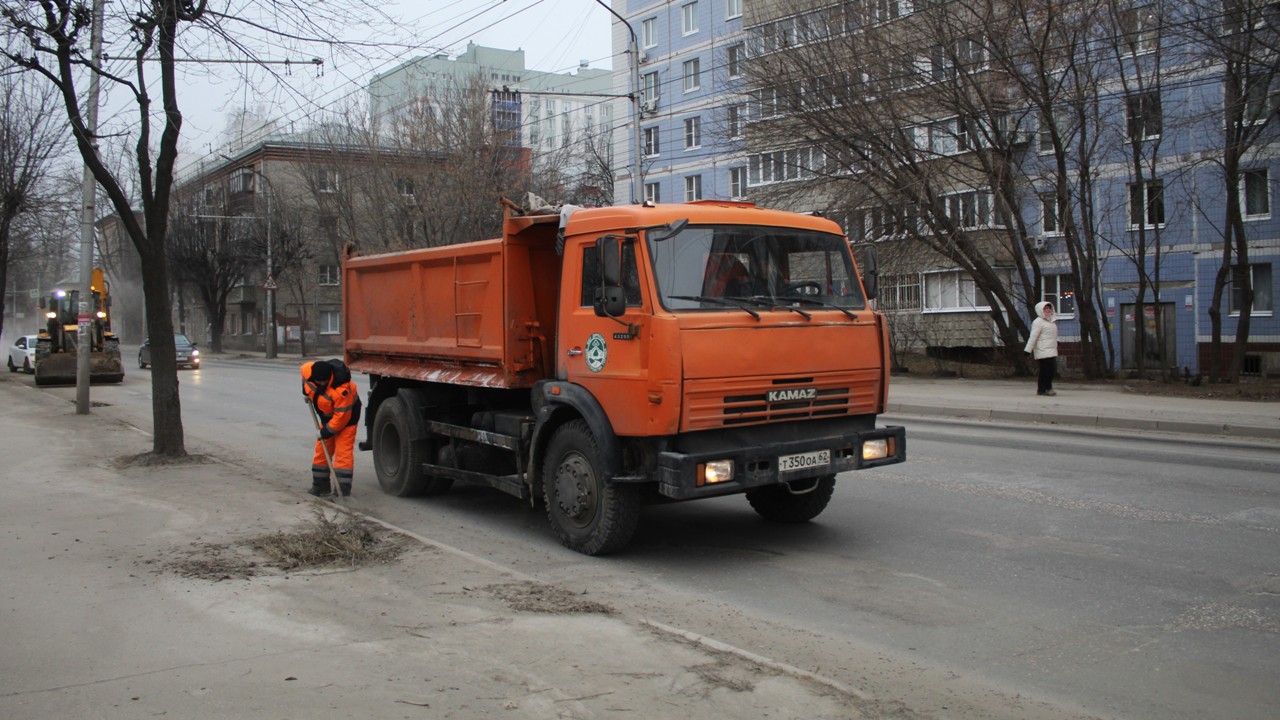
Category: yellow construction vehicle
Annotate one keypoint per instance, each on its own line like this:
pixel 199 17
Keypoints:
pixel 56 345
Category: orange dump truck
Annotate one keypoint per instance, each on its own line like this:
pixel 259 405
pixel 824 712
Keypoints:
pixel 624 356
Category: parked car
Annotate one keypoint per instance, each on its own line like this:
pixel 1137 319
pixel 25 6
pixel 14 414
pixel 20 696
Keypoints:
pixel 184 350
pixel 22 354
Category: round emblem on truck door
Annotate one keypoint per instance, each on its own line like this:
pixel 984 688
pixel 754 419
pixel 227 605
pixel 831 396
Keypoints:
pixel 597 352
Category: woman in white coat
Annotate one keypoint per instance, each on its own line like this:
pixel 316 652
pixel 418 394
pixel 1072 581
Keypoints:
pixel 1043 346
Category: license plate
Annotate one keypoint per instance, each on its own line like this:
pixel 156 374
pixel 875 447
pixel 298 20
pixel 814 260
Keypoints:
pixel 803 461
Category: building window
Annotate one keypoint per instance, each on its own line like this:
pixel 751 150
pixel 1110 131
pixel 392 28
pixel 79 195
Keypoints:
pixel 1143 116
pixel 692 133
pixel 693 188
pixel 327 181
pixel 649 32
pixel 732 9
pixel 971 210
pixel 692 71
pixel 886 10
pixel 1060 291
pixel 652 192
pixel 242 180
pixel 1146 204
pixel 329 274
pixel 1051 214
pixel 899 292
pixel 737 182
pixel 330 322
pixel 734 60
pixel 651 147
pixel 1263 297
pixel 1255 193
pixel 737 119
pixel 1141 29
pixel 649 91
pixel 404 186
pixel 1259 103
pixel 950 291
pixel 689 18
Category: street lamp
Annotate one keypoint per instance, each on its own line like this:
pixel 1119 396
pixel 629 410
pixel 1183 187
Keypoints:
pixel 269 286
pixel 633 54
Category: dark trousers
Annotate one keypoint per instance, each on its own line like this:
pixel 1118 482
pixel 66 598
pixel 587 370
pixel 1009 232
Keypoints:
pixel 1048 366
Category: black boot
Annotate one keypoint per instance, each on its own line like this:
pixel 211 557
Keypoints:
pixel 319 488
pixel 345 488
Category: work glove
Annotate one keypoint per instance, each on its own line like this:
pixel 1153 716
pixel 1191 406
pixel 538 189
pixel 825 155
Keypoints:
pixel 326 433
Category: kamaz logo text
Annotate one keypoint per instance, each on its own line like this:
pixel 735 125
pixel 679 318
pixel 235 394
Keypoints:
pixel 792 394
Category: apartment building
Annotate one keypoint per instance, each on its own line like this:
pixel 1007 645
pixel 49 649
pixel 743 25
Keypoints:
pixel 925 129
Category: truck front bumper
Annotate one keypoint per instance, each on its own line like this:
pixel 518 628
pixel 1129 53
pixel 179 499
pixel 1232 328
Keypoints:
pixel 681 476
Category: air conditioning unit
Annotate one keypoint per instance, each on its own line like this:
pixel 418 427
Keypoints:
pixel 648 106
pixel 1039 242
pixel 644 58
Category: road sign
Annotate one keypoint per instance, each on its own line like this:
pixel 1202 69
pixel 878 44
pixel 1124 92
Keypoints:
pixel 270 284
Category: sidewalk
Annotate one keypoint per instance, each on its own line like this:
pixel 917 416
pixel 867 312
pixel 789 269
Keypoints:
pixel 1081 405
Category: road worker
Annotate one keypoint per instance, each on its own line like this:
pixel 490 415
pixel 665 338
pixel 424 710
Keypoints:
pixel 332 394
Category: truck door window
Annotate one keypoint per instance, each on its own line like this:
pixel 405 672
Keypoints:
pixel 591 275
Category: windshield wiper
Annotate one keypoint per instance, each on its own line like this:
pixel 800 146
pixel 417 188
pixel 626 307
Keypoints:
pixel 727 302
pixel 772 304
pixel 819 303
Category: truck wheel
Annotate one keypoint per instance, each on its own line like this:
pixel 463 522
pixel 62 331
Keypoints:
pixel 588 515
pixel 397 457
pixel 779 503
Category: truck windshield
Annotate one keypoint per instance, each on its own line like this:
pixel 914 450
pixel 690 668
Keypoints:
pixel 768 267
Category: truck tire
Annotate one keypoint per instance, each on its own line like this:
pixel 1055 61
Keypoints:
pixel 397 457
pixel 778 503
pixel 588 515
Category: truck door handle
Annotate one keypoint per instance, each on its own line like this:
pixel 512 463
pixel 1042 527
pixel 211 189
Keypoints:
pixel 575 352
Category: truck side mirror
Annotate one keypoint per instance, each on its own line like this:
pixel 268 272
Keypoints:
pixel 610 300
pixel 870 272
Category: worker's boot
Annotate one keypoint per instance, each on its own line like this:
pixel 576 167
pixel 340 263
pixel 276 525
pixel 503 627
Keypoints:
pixel 319 488
pixel 345 488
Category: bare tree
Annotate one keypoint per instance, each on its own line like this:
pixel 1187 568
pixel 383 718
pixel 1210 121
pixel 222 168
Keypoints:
pixel 29 139
pixel 1241 42
pixel 922 153
pixel 212 253
pixel 57 32
pixel 1139 52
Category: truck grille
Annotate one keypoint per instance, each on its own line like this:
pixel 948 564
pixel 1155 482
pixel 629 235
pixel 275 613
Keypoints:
pixel 745 401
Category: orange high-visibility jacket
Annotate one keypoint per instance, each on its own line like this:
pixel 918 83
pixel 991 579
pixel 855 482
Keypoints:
pixel 339 404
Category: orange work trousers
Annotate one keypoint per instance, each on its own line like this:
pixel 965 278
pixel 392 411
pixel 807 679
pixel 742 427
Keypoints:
pixel 342 448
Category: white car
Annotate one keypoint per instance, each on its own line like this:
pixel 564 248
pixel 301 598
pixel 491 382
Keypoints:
pixel 22 354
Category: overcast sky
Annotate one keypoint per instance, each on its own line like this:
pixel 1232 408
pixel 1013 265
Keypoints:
pixel 556 36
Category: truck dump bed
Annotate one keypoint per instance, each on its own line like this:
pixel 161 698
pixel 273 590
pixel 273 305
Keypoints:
pixel 480 313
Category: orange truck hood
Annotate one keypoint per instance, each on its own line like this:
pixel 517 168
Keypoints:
pixel 729 370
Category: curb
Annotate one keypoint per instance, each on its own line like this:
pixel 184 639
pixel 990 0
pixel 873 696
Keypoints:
pixel 1184 427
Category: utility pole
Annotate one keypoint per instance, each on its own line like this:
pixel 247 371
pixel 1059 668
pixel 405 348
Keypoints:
pixel 88 213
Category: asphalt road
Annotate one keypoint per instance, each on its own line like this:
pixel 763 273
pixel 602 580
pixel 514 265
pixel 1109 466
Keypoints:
pixel 1118 576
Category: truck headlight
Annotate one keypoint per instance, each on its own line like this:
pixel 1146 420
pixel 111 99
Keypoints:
pixel 875 449
pixel 195 353
pixel 51 315
pixel 102 315
pixel 716 471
